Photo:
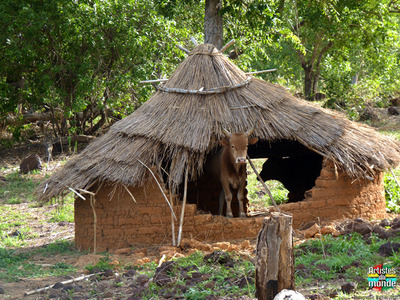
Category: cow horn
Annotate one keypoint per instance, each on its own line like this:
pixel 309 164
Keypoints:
pixel 226 132
pixel 251 130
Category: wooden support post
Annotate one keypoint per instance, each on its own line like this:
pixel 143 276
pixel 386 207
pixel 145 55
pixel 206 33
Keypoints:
pixel 274 256
pixel 178 243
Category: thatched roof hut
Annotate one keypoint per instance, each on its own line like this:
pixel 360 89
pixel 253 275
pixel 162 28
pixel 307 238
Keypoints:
pixel 181 124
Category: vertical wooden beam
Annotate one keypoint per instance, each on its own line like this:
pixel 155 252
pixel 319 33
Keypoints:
pixel 178 242
pixel 274 256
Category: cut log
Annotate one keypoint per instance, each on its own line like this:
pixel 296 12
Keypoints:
pixel 274 256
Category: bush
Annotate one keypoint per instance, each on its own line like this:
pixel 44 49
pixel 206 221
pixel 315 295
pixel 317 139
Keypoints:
pixel 392 193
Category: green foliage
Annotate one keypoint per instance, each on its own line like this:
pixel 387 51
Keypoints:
pixel 257 195
pixel 69 57
pixel 58 247
pixel 330 40
pixel 218 274
pixel 103 264
pixel 72 56
pixel 392 192
pixel 337 253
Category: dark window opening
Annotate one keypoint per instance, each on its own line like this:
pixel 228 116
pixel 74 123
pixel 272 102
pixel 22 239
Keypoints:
pixel 289 162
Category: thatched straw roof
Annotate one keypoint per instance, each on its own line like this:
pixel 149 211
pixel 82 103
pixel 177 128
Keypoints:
pixel 182 122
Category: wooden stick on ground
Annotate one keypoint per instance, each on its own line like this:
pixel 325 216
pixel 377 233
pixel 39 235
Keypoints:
pixel 83 277
pixel 183 208
pixel 264 185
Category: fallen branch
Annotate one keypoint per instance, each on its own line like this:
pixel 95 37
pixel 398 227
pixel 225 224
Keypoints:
pixel 264 185
pixel 83 277
pixel 29 118
pixel 74 139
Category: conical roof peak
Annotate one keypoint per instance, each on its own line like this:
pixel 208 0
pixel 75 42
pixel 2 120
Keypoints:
pixel 205 68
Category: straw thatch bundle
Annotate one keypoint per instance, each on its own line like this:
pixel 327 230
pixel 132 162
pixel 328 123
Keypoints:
pixel 181 123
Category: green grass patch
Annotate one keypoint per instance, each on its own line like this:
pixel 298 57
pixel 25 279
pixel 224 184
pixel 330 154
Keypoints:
pixel 221 280
pixel 58 248
pixel 63 212
pixel 103 264
pixel 15 266
pixel 18 188
pixel 14 227
pixel 345 256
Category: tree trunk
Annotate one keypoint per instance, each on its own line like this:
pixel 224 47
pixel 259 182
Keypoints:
pixel 311 79
pixel 274 257
pixel 213 23
pixel 308 83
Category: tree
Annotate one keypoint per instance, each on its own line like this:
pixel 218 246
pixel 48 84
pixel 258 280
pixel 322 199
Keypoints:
pixel 312 29
pixel 213 23
pixel 82 60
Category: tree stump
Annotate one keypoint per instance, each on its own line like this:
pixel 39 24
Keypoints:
pixel 274 256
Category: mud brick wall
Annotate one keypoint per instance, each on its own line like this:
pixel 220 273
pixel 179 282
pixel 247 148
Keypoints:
pixel 122 223
pixel 336 196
